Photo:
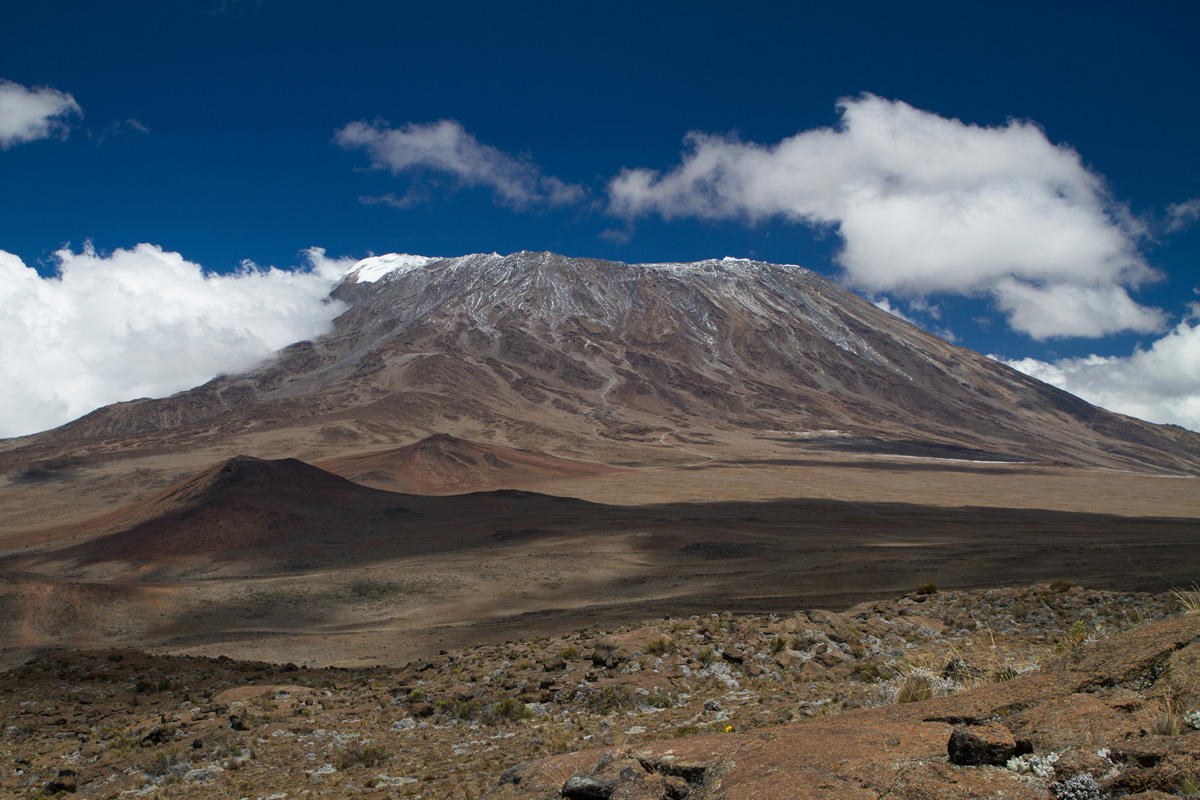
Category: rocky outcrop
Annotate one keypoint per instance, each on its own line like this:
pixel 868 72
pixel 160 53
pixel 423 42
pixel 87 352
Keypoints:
pixel 1094 722
pixel 694 707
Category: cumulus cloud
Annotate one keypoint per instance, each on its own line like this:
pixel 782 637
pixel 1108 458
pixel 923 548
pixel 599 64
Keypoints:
pixel 30 114
pixel 142 322
pixel 445 148
pixel 927 205
pixel 1159 384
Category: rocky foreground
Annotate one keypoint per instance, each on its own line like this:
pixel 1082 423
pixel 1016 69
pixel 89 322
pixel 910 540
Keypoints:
pixel 1051 691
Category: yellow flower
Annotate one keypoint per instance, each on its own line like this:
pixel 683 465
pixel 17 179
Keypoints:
pixel 728 728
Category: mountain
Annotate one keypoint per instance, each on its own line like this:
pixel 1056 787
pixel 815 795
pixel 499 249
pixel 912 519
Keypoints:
pixel 614 362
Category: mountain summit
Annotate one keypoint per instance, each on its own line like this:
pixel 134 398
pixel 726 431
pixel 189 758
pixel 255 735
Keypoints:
pixel 603 358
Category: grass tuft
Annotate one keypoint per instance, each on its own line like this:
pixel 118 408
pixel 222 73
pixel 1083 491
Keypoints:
pixel 1189 599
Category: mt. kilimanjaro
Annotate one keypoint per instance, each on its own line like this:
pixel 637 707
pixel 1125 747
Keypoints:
pixel 607 359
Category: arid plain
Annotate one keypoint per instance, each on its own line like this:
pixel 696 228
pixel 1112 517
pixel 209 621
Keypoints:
pixel 294 564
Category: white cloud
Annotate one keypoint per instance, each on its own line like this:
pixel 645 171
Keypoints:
pixel 142 322
pixel 886 305
pixel 1182 215
pixel 30 114
pixel 1045 311
pixel 1159 384
pixel 927 205
pixel 446 148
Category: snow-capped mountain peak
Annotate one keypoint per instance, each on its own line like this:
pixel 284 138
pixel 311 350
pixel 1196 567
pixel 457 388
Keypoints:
pixel 371 269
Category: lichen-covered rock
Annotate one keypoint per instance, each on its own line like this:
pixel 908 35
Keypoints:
pixel 1081 787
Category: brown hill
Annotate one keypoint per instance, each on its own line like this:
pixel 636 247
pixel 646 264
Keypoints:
pixel 444 464
pixel 255 516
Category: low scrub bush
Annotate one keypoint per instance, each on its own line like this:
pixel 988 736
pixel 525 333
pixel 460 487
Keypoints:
pixel 509 709
pixel 1076 635
pixel 611 699
pixel 661 646
pixel 358 754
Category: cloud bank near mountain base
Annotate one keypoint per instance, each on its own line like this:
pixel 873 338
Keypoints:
pixel 1160 383
pixel 142 322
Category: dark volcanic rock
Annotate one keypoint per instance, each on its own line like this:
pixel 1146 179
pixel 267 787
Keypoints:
pixel 981 744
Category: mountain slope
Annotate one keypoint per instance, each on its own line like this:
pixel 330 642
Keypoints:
pixel 599 358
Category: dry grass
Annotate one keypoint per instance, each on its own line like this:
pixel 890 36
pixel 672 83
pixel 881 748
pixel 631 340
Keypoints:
pixel 1189 599
pixel 916 686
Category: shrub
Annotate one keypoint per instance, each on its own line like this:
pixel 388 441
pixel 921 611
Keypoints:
pixel 611 699
pixel 570 652
pixel 916 686
pixel 778 644
pixel 508 709
pixel 869 672
pixel 466 709
pixel 162 762
pixel 706 656
pixel 661 646
pixel 358 754
pixel 928 588
pixel 1076 635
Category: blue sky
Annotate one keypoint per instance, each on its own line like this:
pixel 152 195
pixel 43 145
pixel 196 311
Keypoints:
pixel 229 132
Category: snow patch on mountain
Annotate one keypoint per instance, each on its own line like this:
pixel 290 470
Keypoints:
pixel 369 270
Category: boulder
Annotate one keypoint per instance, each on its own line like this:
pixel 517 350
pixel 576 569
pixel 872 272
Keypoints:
pixel 588 787
pixel 833 626
pixel 63 782
pixel 813 671
pixel 975 745
pixel 789 659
